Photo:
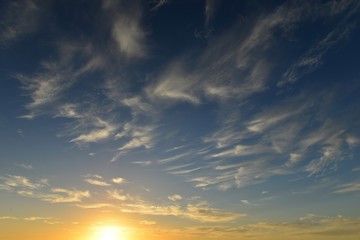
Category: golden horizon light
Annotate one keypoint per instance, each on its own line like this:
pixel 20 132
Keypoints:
pixel 109 233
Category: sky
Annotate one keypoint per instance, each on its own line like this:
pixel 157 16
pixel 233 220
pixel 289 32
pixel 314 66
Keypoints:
pixel 179 119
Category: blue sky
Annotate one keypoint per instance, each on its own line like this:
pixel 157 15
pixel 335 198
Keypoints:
pixel 210 113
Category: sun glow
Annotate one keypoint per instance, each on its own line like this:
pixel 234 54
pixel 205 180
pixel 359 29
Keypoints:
pixel 109 233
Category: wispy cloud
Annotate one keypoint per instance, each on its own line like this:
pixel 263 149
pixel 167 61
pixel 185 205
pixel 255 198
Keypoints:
pixel 138 135
pixel 41 189
pixel 195 211
pixel 48 85
pixel 348 187
pixel 175 197
pixel 97 182
pixel 94 205
pixel 44 89
pixel 320 227
pixel 103 131
pixel 47 220
pixel 118 195
pixel 61 195
pixel 210 8
pixel 314 57
pixel 247 202
pixel 175 84
pixel 25 166
pixel 173 158
pixel 13 182
pixel 239 150
pixel 149 223
pixel 255 139
pixel 19 18
pixel 159 4
pixel 126 29
pixel 118 180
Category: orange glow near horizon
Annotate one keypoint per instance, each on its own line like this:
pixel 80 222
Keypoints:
pixel 109 233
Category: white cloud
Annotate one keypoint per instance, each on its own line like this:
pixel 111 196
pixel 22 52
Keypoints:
pixel 48 86
pixel 294 158
pixel 8 218
pixel 331 140
pixel 118 195
pixel 126 31
pixel 159 4
pixel 138 105
pixel 271 117
pixel 61 195
pixel 241 150
pixel 44 89
pixel 118 180
pixel 106 130
pixel 47 220
pixel 141 136
pixel 313 58
pixel 129 36
pixel 238 175
pixel 95 205
pixel 247 175
pixel 206 214
pixel 145 222
pixel 174 158
pixel 311 226
pixel 348 187
pixel 221 180
pixel 195 211
pixel 143 163
pixel 175 197
pixel 185 171
pixel 40 190
pixel 329 154
pixel 352 141
pixel 69 111
pixel 26 166
pixel 13 182
pixel 175 84
pixel 244 201
pixel 226 137
pixel 97 182
pixel 210 8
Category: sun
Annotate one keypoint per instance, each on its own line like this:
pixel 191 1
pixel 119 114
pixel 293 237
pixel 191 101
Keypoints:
pixel 109 233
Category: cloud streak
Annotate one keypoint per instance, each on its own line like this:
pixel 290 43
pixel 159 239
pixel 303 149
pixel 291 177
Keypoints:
pixel 41 190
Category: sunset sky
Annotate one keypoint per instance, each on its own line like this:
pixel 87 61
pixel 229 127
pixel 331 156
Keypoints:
pixel 179 119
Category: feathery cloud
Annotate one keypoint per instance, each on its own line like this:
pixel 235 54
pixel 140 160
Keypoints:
pixel 12 182
pixel 97 182
pixel 94 205
pixel 159 4
pixel 314 57
pixel 118 180
pixel 46 220
pixel 18 19
pixel 210 7
pixel 126 29
pixel 104 132
pixel 198 211
pixel 118 195
pixel 175 197
pixel 348 187
pixel 61 195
